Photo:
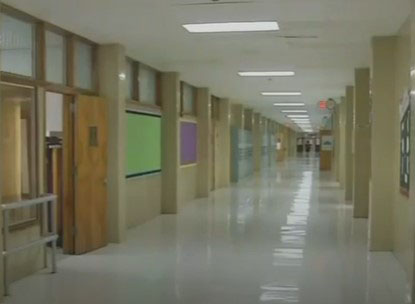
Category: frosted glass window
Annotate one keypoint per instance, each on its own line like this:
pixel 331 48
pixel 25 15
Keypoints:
pixel 148 85
pixel 16 50
pixel 83 65
pixel 54 114
pixel 55 58
pixel 188 99
pixel 129 78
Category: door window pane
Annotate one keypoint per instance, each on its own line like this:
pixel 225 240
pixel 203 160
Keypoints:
pixel 55 58
pixel 18 149
pixel 83 65
pixel 148 85
pixel 16 46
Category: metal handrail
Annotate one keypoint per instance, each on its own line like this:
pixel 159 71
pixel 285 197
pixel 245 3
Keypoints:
pixel 49 236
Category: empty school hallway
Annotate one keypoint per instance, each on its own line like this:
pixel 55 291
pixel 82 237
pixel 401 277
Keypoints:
pixel 207 151
pixel 286 236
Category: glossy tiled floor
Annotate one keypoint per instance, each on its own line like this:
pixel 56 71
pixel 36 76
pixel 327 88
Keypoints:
pixel 286 237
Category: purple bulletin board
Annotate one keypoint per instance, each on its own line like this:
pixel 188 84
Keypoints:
pixel 188 143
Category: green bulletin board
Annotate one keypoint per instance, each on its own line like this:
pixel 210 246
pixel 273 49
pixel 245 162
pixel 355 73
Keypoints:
pixel 143 153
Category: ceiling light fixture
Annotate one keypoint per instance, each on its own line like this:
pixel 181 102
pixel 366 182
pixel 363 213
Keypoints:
pixel 298 116
pixel 229 27
pixel 287 104
pixel 294 111
pixel 281 94
pixel 267 74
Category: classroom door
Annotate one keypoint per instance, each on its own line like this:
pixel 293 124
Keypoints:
pixel 91 144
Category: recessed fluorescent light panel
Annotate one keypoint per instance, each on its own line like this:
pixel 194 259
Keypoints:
pixel 298 116
pixel 267 74
pixel 285 104
pixel 285 94
pixel 230 27
pixel 294 111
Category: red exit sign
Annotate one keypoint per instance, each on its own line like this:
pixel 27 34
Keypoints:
pixel 323 104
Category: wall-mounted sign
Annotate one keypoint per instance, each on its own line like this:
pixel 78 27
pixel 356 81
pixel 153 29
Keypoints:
pixel 323 104
pixel 327 143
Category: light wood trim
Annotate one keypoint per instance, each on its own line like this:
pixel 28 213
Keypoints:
pixel 136 105
pixel 68 176
pixel 187 118
pixel 24 81
pixel 40 51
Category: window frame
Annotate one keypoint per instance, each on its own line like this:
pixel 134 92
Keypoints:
pixel 136 86
pixel 183 112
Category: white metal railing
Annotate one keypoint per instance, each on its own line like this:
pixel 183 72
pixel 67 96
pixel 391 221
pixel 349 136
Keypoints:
pixel 49 233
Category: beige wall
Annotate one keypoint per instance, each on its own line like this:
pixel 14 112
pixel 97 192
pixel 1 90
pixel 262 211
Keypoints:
pixel 361 160
pixel 187 185
pixel 383 141
pixel 170 93
pixel 391 213
pixel 223 144
pixel 111 63
pixel 257 141
pixel 349 143
pixel 143 195
pixel 237 115
pixel 342 139
pixel 403 206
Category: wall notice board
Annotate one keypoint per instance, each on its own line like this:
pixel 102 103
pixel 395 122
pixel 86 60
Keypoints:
pixel 143 142
pixel 188 143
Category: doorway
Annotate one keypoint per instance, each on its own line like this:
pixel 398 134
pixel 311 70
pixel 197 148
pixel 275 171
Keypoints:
pixel 76 169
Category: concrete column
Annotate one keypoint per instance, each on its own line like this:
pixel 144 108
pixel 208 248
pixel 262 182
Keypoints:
pixel 384 115
pixel 248 119
pixel 224 125
pixel 170 94
pixel 237 116
pixel 336 135
pixel 361 143
pixel 342 138
pixel 111 64
pixel 349 143
pixel 257 141
pixel 204 164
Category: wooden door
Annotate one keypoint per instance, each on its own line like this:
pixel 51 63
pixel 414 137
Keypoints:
pixel 91 141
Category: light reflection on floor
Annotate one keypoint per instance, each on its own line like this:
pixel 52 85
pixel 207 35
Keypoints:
pixel 283 237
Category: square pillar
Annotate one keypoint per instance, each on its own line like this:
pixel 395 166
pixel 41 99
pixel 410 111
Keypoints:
pixel 248 119
pixel 237 116
pixel 204 158
pixel 170 95
pixel 257 141
pixel 336 136
pixel 342 143
pixel 361 143
pixel 111 64
pixel 349 143
pixel 384 119
pixel 224 142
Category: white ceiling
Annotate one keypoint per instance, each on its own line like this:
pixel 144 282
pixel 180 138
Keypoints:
pixel 151 30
